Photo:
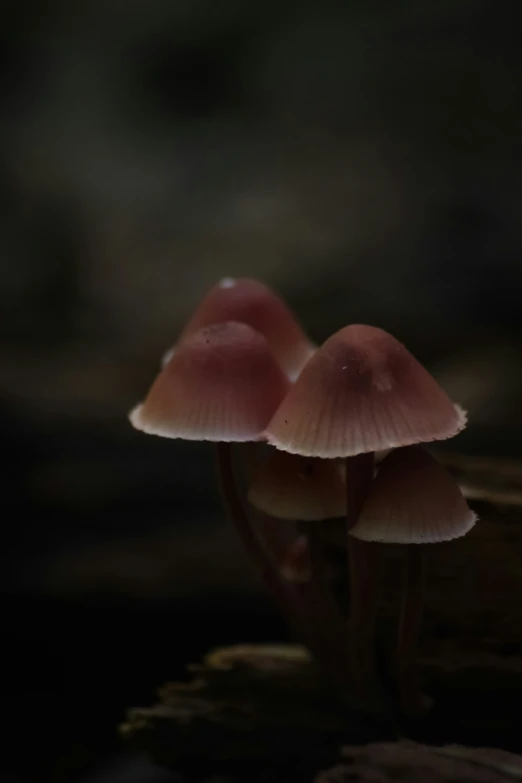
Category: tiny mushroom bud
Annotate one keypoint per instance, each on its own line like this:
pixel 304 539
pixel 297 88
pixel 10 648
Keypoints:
pixel 250 302
pixel 301 488
pixel 296 565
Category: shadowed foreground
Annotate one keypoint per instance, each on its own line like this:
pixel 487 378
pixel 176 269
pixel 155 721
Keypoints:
pixel 266 708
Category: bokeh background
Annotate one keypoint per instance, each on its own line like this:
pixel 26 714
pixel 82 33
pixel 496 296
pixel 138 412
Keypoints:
pixel 365 159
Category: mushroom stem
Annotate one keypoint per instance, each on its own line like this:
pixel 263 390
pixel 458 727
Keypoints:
pixel 298 602
pixel 359 475
pixel 269 574
pixel 412 701
pixel 364 565
pixel 363 571
pixel 325 615
pixel 286 594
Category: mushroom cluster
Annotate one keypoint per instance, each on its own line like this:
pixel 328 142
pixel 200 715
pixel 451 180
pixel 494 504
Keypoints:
pixel 338 429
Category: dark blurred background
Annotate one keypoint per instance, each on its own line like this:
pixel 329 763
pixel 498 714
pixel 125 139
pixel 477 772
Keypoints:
pixel 365 159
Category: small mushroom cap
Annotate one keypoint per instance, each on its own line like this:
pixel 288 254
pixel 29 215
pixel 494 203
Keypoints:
pixel 250 302
pixel 221 384
pixel 362 391
pixel 301 488
pixel 413 500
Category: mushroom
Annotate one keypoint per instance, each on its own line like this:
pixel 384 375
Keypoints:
pixel 362 391
pixel 412 501
pixel 250 302
pixel 222 384
pixel 308 491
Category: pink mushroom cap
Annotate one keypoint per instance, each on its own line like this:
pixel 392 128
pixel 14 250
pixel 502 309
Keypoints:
pixel 221 384
pixel 250 302
pixel 299 488
pixel 413 500
pixel 362 391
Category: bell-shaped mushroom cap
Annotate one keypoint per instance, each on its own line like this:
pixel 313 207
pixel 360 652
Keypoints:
pixel 222 384
pixel 362 391
pixel 250 302
pixel 413 500
pixel 300 488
